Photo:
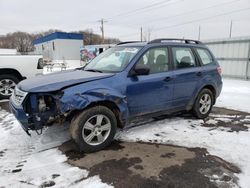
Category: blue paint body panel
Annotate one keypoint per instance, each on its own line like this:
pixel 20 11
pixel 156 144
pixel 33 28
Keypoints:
pixel 57 81
pixel 20 116
pixel 133 95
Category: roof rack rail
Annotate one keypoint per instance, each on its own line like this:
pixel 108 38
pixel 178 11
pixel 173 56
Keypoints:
pixel 187 41
pixel 127 42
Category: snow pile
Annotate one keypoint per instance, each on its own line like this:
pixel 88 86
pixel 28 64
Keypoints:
pixel 35 161
pixel 235 95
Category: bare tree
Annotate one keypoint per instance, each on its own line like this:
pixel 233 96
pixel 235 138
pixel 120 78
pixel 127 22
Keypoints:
pixel 91 38
pixel 20 41
pixel 23 42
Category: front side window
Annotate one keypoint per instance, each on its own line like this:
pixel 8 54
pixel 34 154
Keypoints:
pixel 183 57
pixel 205 56
pixel 156 59
pixel 113 60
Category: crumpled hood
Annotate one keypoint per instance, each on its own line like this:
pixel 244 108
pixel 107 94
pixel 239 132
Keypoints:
pixel 57 81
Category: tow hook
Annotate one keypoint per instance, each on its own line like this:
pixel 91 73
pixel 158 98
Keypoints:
pixel 39 132
pixel 28 133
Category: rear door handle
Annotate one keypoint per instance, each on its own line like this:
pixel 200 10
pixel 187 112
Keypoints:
pixel 199 73
pixel 167 79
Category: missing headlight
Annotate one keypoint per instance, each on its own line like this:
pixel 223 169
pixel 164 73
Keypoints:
pixel 46 103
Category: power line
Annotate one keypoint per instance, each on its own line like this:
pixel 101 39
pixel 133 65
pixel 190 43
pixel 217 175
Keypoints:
pixel 102 28
pixel 148 7
pixel 230 31
pixel 199 33
pixel 141 34
pixel 151 6
pixel 190 12
pixel 206 18
pixel 193 21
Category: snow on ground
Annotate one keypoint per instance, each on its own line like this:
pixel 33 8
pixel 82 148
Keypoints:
pixel 35 161
pixel 235 95
pixel 41 163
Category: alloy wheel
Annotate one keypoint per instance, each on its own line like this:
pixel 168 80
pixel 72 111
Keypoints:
pixel 205 103
pixel 7 87
pixel 96 129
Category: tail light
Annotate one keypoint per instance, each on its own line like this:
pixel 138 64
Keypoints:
pixel 219 70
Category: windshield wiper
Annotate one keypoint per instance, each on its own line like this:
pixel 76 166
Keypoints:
pixel 93 70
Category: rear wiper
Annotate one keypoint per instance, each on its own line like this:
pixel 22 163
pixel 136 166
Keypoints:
pixel 93 70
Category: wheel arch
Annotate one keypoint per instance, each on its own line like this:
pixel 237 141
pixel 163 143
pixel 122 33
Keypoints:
pixel 209 86
pixel 212 89
pixel 11 71
pixel 109 104
pixel 112 99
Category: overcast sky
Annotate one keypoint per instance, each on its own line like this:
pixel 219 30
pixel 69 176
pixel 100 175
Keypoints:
pixel 161 18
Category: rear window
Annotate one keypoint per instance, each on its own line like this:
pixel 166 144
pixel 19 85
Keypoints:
pixel 205 56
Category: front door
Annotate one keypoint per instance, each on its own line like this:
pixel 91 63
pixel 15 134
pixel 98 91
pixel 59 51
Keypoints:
pixel 152 92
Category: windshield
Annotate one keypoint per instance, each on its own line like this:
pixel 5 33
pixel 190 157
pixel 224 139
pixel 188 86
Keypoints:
pixel 112 60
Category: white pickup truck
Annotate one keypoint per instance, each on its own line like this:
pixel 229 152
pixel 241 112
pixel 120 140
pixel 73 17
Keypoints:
pixel 14 68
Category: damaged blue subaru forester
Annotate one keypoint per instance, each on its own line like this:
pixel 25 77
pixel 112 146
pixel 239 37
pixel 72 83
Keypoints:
pixel 129 81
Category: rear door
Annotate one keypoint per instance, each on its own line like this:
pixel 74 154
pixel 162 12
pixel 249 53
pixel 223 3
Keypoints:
pixel 186 75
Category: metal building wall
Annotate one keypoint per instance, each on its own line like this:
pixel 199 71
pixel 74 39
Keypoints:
pixel 64 49
pixel 233 56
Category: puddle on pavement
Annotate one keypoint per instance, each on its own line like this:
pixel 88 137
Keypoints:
pixel 145 165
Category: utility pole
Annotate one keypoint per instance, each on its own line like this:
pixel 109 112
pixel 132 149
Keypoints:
pixel 231 27
pixel 141 34
pixel 102 28
pixel 199 33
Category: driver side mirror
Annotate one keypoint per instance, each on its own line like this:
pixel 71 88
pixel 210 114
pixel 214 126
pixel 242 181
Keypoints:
pixel 139 69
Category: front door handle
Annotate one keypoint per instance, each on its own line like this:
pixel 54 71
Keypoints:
pixel 199 73
pixel 167 79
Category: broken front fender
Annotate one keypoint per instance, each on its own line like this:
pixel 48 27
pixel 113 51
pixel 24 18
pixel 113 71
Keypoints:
pixel 75 100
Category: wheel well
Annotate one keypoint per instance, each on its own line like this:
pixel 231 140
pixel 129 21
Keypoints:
pixel 109 104
pixel 211 88
pixel 113 107
pixel 12 72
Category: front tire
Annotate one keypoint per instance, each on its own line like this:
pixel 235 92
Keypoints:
pixel 7 85
pixel 203 104
pixel 94 128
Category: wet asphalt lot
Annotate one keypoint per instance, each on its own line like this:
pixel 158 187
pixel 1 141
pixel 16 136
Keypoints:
pixel 125 164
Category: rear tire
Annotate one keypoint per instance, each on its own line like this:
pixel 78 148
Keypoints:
pixel 203 104
pixel 7 85
pixel 94 128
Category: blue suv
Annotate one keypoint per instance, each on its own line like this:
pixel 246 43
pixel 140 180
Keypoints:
pixel 130 80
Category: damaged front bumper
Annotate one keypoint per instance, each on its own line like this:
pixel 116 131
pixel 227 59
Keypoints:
pixel 24 119
pixel 29 121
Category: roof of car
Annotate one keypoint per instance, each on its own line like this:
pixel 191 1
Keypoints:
pixel 162 41
pixel 132 44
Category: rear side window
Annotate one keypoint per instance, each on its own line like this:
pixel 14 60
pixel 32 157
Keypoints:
pixel 205 56
pixel 183 57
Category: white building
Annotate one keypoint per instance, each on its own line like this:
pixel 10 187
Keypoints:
pixel 60 47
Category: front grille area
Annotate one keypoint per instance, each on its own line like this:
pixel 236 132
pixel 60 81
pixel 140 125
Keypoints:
pixel 18 96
